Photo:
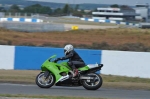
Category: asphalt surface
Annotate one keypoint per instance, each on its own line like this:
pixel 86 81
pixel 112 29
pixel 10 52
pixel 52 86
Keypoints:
pixel 73 91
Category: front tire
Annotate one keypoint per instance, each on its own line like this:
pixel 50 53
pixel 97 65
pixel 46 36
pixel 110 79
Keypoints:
pixel 93 85
pixel 42 82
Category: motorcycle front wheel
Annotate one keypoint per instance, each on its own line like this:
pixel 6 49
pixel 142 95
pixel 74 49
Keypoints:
pixel 93 84
pixel 45 82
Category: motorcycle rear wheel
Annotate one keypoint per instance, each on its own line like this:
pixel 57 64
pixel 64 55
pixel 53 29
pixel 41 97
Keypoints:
pixel 93 85
pixel 42 82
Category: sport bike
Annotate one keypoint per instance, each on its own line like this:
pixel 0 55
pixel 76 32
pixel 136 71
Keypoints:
pixel 60 74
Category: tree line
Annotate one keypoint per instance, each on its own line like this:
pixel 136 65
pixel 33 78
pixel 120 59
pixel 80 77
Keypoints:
pixel 37 8
pixel 66 10
pixel 120 6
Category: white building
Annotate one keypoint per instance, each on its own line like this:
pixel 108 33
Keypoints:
pixel 139 12
pixel 115 14
pixel 143 10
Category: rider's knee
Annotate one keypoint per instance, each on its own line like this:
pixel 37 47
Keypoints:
pixel 70 63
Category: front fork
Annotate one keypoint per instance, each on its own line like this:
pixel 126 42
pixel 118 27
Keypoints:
pixel 46 74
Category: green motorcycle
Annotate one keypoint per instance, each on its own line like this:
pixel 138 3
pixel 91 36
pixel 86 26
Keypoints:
pixel 60 74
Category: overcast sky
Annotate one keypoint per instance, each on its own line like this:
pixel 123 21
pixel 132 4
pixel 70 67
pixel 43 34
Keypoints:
pixel 123 2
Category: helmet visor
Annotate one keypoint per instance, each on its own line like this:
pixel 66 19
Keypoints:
pixel 65 51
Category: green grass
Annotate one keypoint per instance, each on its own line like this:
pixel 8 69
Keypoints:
pixel 45 97
pixel 112 78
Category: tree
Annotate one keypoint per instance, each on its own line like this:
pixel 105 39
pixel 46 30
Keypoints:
pixel 77 7
pixel 58 11
pixel 66 9
pixel 14 8
pixel 124 6
pixel 33 8
pixel 2 9
pixel 45 10
pixel 114 6
pixel 37 8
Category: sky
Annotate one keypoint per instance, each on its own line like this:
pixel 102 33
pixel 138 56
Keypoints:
pixel 122 2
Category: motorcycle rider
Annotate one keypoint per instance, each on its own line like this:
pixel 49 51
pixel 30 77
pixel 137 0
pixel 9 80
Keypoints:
pixel 74 59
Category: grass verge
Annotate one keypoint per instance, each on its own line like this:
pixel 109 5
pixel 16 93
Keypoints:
pixel 43 97
pixel 103 39
pixel 109 81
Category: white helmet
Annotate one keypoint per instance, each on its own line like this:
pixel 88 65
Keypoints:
pixel 68 48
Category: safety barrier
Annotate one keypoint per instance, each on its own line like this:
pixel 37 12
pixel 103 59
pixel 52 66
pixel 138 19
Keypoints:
pixel 21 20
pixel 123 63
pixel 110 21
pixel 31 58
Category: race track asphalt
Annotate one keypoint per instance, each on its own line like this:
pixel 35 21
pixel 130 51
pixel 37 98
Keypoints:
pixel 6 88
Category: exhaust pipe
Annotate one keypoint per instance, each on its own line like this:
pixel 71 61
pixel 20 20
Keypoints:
pixel 86 77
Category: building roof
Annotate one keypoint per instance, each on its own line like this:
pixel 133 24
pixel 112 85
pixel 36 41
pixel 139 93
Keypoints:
pixel 126 8
pixel 112 9
pixel 117 9
pixel 142 5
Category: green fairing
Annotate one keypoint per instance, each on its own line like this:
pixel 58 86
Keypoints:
pixel 56 68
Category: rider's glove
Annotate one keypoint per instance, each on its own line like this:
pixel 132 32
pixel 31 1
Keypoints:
pixel 60 58
pixel 57 59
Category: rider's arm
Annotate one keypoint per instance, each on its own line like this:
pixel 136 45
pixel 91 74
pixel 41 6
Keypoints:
pixel 67 56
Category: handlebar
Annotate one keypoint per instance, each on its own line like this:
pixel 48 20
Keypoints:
pixel 55 61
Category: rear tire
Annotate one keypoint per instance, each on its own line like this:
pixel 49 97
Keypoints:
pixel 45 83
pixel 93 85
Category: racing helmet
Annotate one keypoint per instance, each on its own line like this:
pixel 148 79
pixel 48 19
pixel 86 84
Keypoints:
pixel 68 48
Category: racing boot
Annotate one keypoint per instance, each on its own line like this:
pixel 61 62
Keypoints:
pixel 75 72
